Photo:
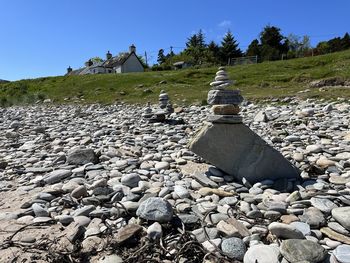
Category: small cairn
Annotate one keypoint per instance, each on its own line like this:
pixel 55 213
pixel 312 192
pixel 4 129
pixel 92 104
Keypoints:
pixel 164 108
pixel 165 103
pixel 225 103
pixel 148 112
pixel 163 99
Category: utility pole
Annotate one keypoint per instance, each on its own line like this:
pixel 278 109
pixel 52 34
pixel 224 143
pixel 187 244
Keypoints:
pixel 171 56
pixel 146 58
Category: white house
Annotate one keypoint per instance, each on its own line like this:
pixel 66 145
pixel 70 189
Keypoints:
pixel 131 64
pixel 123 63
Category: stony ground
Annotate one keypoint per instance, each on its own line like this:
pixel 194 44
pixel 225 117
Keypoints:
pixel 100 184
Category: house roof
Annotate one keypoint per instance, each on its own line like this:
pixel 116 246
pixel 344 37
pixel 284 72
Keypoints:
pixel 98 64
pixel 109 63
pixel 75 72
pixel 120 60
pixel 117 60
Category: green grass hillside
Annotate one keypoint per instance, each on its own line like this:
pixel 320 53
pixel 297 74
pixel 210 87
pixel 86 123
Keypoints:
pixel 265 80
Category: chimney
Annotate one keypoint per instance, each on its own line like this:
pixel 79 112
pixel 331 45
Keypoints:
pixel 108 55
pixel 69 70
pixel 88 63
pixel 132 49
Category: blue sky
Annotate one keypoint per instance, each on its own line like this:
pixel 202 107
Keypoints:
pixel 43 37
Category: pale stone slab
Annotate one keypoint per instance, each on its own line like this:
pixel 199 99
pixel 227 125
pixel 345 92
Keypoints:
pixel 224 97
pixel 240 152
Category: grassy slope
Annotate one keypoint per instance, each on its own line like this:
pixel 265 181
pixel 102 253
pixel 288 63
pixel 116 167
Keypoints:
pixel 269 79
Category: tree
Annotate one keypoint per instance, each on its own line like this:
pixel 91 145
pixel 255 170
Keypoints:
pixel 254 48
pixel 298 47
pixel 305 45
pixel 335 44
pixel 229 48
pixel 322 48
pixel 192 41
pixel 294 42
pixel 273 43
pixel 200 39
pixel 345 41
pixel 171 54
pixel 214 51
pixel 161 57
pixel 96 60
pixel 195 47
pixel 271 36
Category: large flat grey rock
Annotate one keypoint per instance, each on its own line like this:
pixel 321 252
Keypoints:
pixel 240 152
pixel 224 97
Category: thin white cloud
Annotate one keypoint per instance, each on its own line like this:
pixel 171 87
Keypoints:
pixel 225 23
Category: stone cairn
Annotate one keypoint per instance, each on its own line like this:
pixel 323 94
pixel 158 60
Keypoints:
pixel 225 103
pixel 230 145
pixel 164 108
pixel 148 112
pixel 165 103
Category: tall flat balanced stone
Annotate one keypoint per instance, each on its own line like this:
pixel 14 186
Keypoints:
pixel 240 152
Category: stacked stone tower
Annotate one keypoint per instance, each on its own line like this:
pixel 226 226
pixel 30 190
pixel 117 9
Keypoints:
pixel 225 102
pixel 233 147
pixel 164 109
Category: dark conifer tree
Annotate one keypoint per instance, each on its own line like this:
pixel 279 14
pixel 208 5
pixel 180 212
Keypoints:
pixel 345 41
pixel 273 43
pixel 161 57
pixel 229 48
pixel 253 48
pixel 195 47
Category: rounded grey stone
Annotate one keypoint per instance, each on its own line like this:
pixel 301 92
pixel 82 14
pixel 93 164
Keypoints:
pixel 82 156
pixel 64 219
pixel 155 209
pixel 296 250
pixel 40 211
pixel 181 191
pixel 233 248
pixel 302 227
pixel 161 165
pixel 262 254
pixel 342 253
pixel 131 180
pixel 79 192
pixel 285 231
pixel 323 204
pixel 342 215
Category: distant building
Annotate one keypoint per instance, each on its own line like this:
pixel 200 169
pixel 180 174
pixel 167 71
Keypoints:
pixel 181 65
pixel 124 63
